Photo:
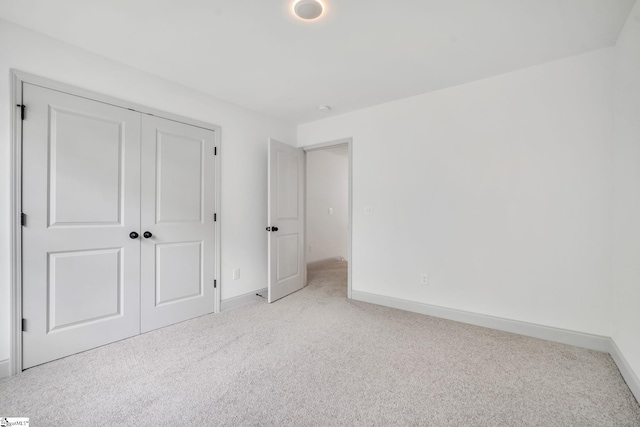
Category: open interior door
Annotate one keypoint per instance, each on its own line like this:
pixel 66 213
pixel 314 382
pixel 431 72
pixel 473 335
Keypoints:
pixel 286 220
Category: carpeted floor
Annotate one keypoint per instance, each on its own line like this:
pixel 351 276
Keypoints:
pixel 318 359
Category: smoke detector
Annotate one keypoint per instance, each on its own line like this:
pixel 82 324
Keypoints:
pixel 324 108
pixel 308 9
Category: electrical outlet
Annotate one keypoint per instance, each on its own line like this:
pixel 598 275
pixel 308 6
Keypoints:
pixel 368 210
pixel 424 278
pixel 330 211
pixel 236 273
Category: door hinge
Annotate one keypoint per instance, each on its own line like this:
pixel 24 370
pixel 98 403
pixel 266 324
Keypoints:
pixel 215 284
pixel 22 108
pixel 23 219
pixel 215 151
pixel 24 325
pixel 215 217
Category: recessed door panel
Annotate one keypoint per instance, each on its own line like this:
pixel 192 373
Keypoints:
pixel 287 185
pixel 179 169
pixel 287 247
pixel 84 286
pixel 178 272
pixel 178 206
pixel 81 197
pixel 90 147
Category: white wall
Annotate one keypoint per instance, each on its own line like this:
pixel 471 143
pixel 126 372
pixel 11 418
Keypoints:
pixel 626 242
pixel 500 189
pixel 327 187
pixel 243 150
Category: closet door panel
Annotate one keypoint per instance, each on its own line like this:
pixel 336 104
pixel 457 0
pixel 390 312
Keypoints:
pixel 178 205
pixel 81 197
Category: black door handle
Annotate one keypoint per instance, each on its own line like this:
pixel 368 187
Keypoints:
pixel 147 234
pixel 274 228
pixel 133 235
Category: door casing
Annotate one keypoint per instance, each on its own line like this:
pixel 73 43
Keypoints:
pixel 15 262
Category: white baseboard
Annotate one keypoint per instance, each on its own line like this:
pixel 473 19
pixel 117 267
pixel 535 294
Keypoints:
pixel 563 336
pixel 629 376
pixel 333 258
pixel 5 368
pixel 229 303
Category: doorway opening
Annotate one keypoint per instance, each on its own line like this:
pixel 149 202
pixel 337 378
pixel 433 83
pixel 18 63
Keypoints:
pixel 328 221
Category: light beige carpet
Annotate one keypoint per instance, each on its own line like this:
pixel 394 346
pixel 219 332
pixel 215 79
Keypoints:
pixel 318 359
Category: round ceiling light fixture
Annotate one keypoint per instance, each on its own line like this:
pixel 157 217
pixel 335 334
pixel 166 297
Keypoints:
pixel 324 108
pixel 308 9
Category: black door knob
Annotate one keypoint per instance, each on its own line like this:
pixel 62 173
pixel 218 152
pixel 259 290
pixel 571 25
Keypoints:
pixel 133 235
pixel 268 228
pixel 274 228
pixel 147 234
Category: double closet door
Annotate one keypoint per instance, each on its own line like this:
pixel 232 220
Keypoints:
pixel 119 237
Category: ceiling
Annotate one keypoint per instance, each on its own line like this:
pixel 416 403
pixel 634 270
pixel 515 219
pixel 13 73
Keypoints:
pixel 255 53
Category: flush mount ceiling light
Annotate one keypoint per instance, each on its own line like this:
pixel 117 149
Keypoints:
pixel 324 108
pixel 308 9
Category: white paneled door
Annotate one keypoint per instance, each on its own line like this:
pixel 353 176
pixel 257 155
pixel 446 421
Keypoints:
pixel 119 233
pixel 286 262
pixel 81 196
pixel 178 229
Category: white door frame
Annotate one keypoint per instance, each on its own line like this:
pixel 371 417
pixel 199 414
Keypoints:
pixel 15 261
pixel 348 142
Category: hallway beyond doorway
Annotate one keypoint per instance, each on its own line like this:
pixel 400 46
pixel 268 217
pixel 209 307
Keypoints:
pixel 328 277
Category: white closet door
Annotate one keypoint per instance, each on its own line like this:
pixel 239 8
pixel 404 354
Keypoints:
pixel 81 193
pixel 178 205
